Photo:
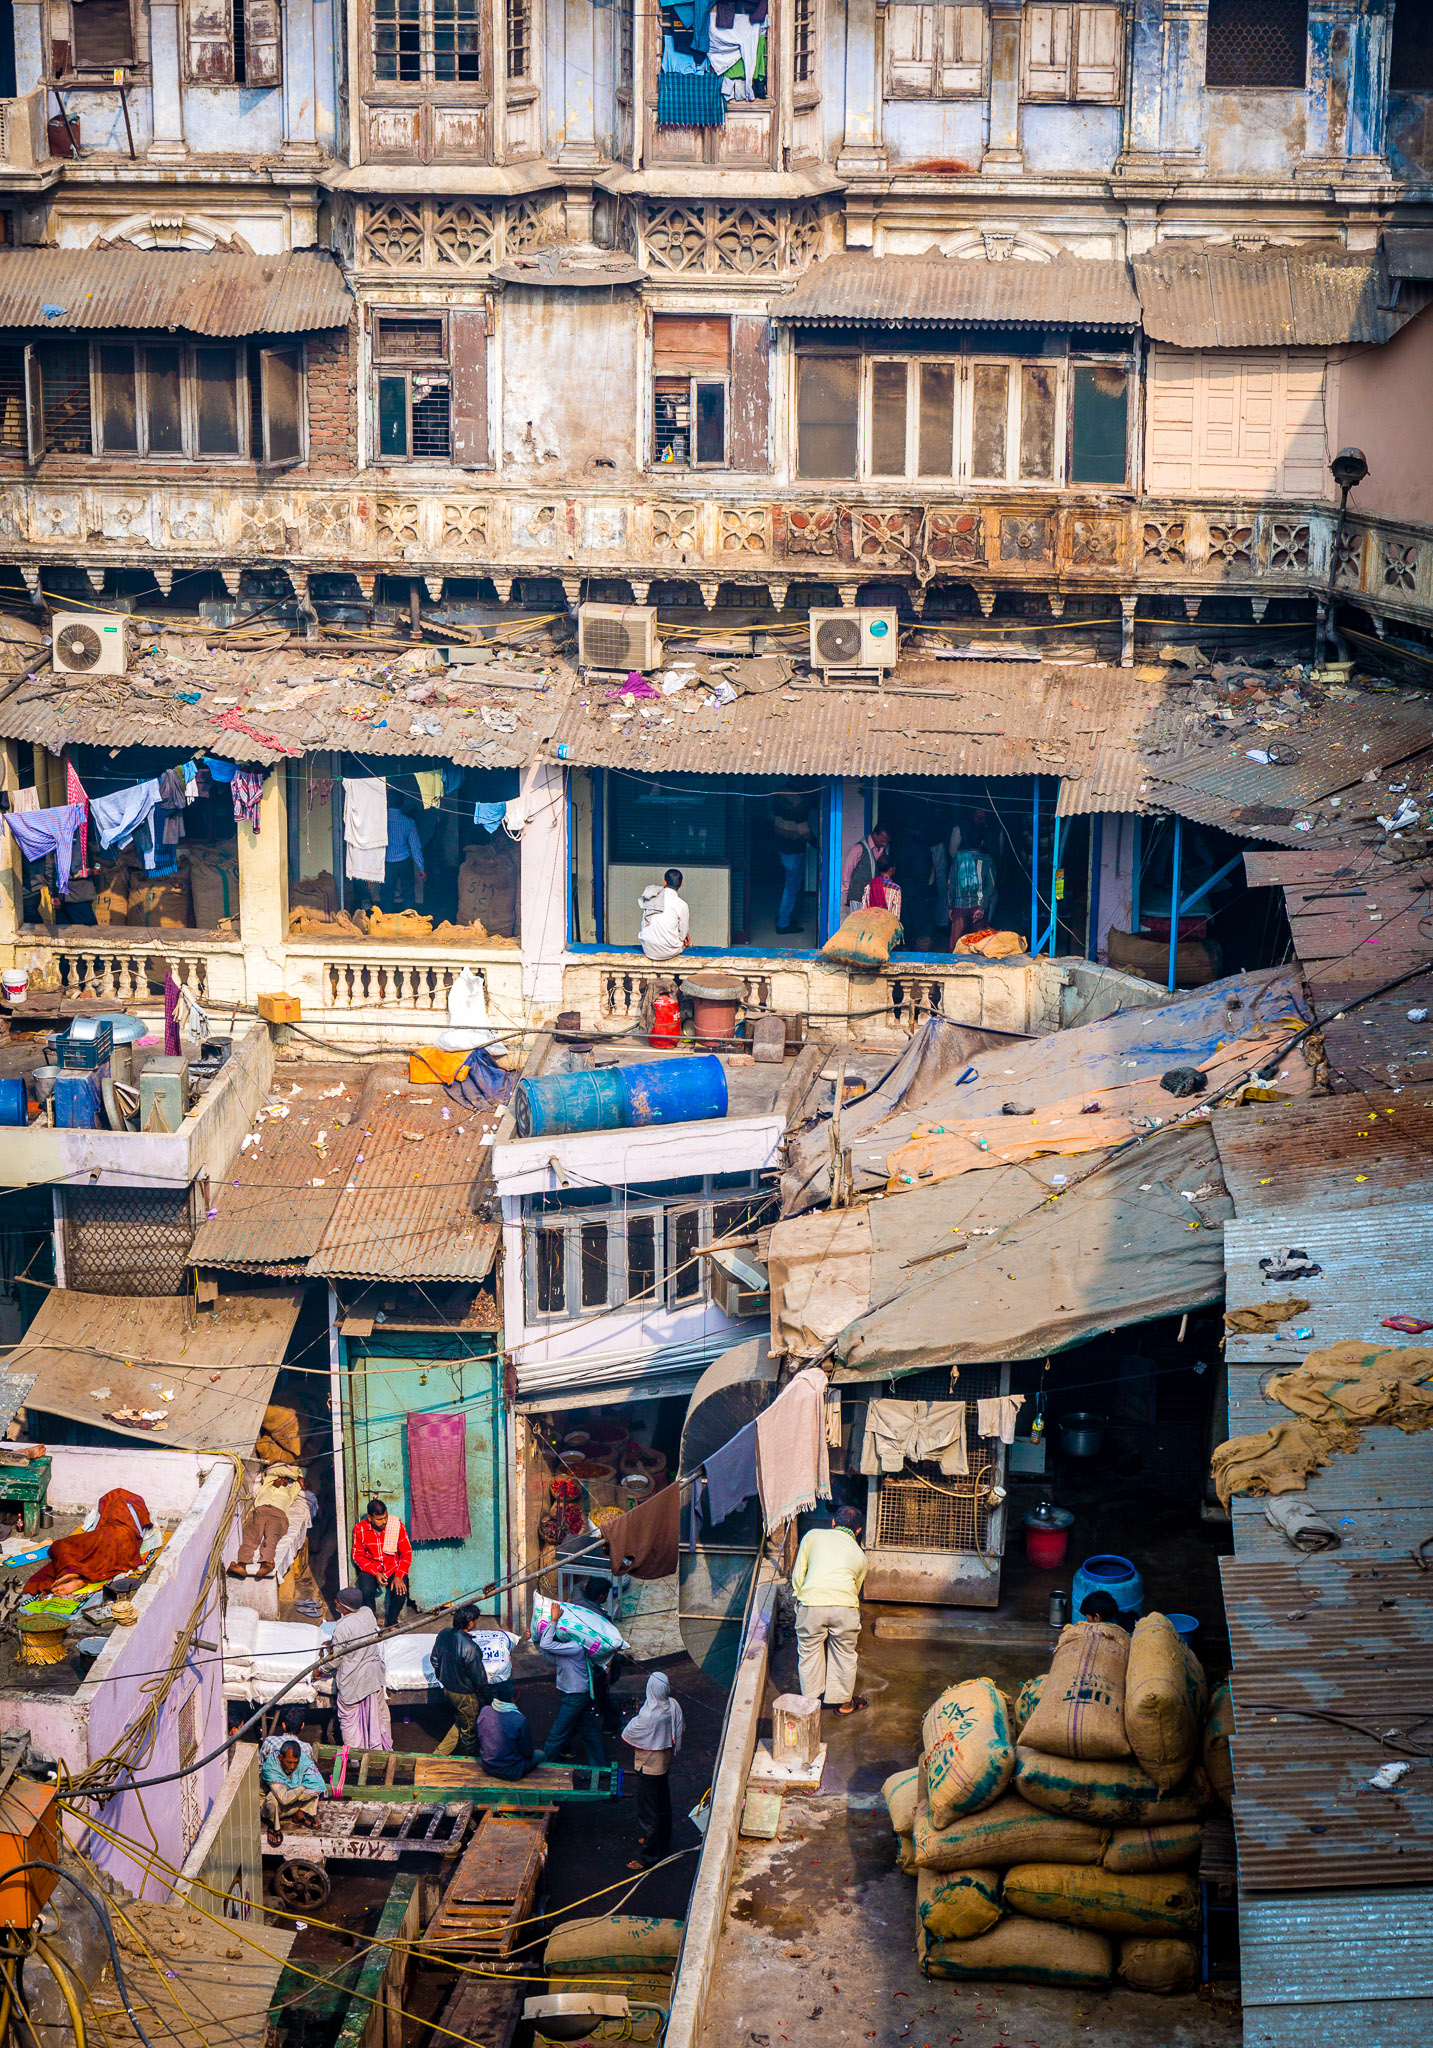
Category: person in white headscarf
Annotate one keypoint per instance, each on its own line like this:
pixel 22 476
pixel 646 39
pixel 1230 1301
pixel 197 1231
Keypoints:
pixel 655 1734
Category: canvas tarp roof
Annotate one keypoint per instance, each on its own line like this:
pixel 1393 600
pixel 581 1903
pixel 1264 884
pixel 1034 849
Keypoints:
pixel 95 1355
pixel 1142 1237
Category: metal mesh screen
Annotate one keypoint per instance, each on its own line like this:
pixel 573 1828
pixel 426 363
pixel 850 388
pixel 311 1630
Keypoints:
pixel 127 1240
pixel 1257 42
pixel 939 1514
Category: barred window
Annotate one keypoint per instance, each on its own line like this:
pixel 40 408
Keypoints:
pixel 12 399
pixel 65 374
pixel 803 21
pixel 1257 43
pixel 427 41
pixel 624 42
pixel 519 38
pixel 1411 69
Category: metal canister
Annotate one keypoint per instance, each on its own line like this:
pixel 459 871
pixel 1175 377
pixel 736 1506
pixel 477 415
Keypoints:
pixel 1059 1609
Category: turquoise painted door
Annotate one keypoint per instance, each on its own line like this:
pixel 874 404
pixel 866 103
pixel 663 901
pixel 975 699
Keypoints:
pixel 390 1378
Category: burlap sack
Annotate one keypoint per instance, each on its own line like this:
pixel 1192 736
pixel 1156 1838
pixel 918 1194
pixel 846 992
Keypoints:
pixel 1110 1794
pixel 1026 1701
pixel 1081 1709
pixel 906 1855
pixel 1008 1831
pixel 1168 1965
pixel 864 939
pixel 972 1758
pixel 899 1793
pixel 1166 1694
pixel 619 1941
pixel 1175 1846
pixel 1021 1951
pixel 956 1905
pixel 1214 1749
pixel 1159 1904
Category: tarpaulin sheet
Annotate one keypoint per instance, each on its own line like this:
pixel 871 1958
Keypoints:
pixel 1120 1247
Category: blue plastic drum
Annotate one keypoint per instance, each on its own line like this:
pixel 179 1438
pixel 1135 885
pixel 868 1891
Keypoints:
pixel 1113 1575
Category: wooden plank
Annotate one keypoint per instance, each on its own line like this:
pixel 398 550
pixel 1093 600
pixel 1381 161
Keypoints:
pixel 485 2009
pixel 494 1886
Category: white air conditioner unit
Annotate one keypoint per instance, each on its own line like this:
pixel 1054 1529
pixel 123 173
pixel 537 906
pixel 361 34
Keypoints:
pixel 618 636
pixel 90 643
pixel 869 638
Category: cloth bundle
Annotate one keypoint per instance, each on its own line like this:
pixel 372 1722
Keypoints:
pixel 915 1430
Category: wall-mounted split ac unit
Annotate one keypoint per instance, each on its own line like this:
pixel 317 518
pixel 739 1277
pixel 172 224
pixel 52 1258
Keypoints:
pixel 868 638
pixel 90 643
pixel 618 636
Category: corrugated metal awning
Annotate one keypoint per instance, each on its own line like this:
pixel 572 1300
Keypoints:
pixel 961 291
pixel 1408 252
pixel 94 1356
pixel 214 292
pixel 1198 297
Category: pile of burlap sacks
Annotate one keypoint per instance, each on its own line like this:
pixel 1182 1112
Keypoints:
pixel 1056 1840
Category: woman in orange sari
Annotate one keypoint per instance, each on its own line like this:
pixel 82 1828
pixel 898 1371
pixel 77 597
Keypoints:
pixel 92 1557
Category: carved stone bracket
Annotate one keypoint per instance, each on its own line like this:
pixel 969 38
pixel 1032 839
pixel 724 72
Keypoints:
pixel 1191 608
pixel 572 591
pixel 1258 605
pixel 640 586
pixel 1057 605
pixel 849 592
pixel 1127 609
pixel 503 585
pixel 776 589
pixel 367 583
pixel 434 587
pixel 709 588
pixel 165 579
pixel 986 601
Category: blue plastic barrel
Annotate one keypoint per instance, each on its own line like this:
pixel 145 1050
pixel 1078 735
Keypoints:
pixel 680 1091
pixel 1108 1574
pixel 12 1100
pixel 554 1104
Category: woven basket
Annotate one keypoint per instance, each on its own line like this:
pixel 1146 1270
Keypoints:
pixel 42 1638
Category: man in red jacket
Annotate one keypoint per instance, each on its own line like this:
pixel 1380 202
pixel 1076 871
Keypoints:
pixel 382 1556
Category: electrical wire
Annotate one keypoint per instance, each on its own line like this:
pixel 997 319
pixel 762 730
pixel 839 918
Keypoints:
pixel 101 1913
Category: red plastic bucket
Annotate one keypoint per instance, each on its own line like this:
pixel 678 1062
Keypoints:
pixel 666 1021
pixel 1046 1548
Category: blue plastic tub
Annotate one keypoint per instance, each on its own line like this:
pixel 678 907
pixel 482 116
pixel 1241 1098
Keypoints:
pixel 677 1091
pixel 1113 1575
pixel 1185 1626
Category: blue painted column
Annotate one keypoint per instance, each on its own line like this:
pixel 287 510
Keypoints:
pixel 1092 892
pixel 1174 889
pixel 1035 865
pixel 832 842
pixel 599 856
pixel 1345 103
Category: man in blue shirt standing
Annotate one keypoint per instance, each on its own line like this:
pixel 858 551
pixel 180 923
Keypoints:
pixel 403 845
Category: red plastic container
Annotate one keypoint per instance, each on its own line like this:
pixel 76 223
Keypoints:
pixel 666 1021
pixel 1046 1548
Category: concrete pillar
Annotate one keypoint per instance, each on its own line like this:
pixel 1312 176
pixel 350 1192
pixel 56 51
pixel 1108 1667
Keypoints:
pixel 1002 148
pixel 543 884
pixel 300 76
pixel 863 148
pixel 575 52
pixel 31 68
pixel 1144 90
pixel 165 99
pixel 264 888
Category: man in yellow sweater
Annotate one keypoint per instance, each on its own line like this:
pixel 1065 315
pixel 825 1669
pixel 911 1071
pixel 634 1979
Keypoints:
pixel 830 1572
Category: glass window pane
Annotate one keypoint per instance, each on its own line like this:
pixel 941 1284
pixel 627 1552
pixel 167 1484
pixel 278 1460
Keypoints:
pixel 641 1258
pixel 990 392
pixel 551 1281
pixel 117 406
pixel 592 1247
pixel 1037 420
pixel 686 1266
pixel 216 376
pixel 283 404
pixel 828 396
pixel 393 415
pixel 161 390
pixel 1098 429
pixel 711 423
pixel 888 419
pixel 937 432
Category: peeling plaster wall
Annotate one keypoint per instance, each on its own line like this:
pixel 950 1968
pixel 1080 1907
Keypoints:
pixel 570 385
pixel 1255 134
pixel 944 136
pixel 1074 141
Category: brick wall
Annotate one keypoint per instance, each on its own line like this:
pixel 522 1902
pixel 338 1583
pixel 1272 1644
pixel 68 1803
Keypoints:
pixel 333 403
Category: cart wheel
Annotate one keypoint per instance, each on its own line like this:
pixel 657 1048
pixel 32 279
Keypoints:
pixel 301 1886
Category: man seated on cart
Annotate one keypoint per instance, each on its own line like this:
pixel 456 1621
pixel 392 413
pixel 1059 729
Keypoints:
pixel 292 1787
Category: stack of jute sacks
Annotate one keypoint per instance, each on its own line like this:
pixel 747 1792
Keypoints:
pixel 1055 1841
pixel 631 1954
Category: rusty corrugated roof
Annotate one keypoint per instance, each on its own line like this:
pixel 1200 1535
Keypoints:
pixel 1329 1657
pixel 1311 297
pixel 960 291
pixel 1359 1150
pixel 407 1211
pixel 269 1212
pixel 213 292
pixel 1088 725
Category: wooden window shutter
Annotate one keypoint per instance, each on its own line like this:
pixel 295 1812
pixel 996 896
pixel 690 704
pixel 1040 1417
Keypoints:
pixel 468 369
pixel 209 41
pixel 961 71
pixel 748 444
pixel 263 41
pixel 36 439
pixel 1045 53
pixel 691 345
pixel 1099 39
pixel 910 48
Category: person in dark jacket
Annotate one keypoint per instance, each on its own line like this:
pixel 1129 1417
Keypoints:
pixel 458 1668
pixel 505 1740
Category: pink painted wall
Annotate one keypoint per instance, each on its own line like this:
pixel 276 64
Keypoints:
pixel 1380 402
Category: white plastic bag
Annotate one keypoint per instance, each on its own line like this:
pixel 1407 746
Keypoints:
pixel 467 1013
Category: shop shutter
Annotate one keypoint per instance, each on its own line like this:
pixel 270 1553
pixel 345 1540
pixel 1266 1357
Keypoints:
pixel 1045 53
pixel 209 42
pixel 1099 42
pixel 961 68
pixel 686 344
pixel 263 42
pixel 910 49
pixel 1169 462
pixel 749 446
pixel 468 362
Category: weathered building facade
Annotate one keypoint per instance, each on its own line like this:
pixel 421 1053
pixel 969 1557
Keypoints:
pixel 1064 305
